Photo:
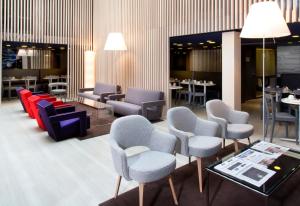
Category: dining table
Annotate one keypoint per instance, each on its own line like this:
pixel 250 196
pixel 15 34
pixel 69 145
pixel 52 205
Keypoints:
pixel 204 84
pixel 291 100
pixel 10 80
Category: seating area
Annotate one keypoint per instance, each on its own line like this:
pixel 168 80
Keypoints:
pixel 149 103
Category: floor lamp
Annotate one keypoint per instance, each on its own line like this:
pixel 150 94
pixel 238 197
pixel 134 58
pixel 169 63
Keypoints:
pixel 264 20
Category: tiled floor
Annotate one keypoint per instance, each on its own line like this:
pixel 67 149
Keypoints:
pixel 37 171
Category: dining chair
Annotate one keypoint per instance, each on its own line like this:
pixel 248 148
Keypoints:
pixel 196 92
pixel 186 91
pixel 274 115
pixel 196 137
pixel 233 124
pixel 151 165
pixel 30 83
pixel 58 89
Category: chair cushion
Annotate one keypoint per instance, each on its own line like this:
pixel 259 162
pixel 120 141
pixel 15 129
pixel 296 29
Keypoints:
pixel 125 108
pixel 68 122
pixel 89 95
pixel 239 131
pixel 204 146
pixel 58 91
pixel 150 166
pixel 285 117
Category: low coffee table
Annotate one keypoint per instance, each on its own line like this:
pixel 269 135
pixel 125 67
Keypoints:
pixel 105 109
pixel 284 166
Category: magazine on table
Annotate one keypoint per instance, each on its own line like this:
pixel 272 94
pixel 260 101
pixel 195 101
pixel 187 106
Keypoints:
pixel 256 157
pixel 242 169
pixel 270 148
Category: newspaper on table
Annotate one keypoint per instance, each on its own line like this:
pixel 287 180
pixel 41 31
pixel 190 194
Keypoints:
pixel 242 169
pixel 270 148
pixel 251 165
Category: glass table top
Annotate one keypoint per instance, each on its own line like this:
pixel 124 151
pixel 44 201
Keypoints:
pixel 284 167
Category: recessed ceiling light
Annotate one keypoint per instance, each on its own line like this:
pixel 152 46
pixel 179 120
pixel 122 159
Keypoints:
pixel 174 44
pixel 63 48
pixel 211 42
pixel 8 45
pixel 24 46
pixel 190 48
pixel 180 48
pixel 179 44
pixel 189 43
pixel 205 47
pixel 201 43
pixel 295 36
pixel 49 47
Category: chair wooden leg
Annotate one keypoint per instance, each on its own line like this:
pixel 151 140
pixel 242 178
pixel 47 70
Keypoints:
pixel 173 190
pixel 199 164
pixel 141 194
pixel 223 144
pixel 119 178
pixel 236 146
pixel 249 140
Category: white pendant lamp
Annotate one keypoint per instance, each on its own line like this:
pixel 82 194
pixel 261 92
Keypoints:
pixel 264 20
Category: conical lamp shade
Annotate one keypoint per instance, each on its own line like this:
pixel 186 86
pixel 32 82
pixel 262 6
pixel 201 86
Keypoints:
pixel 265 20
pixel 115 42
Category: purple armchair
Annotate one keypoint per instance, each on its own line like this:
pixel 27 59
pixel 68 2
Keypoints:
pixel 65 125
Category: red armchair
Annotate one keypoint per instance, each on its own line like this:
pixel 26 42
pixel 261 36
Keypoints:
pixel 24 95
pixel 59 105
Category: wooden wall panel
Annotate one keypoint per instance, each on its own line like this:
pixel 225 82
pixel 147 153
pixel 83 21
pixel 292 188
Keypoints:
pixel 147 26
pixel 55 22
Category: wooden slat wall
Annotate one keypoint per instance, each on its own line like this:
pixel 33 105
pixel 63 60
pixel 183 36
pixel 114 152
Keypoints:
pixel 55 22
pixel 147 26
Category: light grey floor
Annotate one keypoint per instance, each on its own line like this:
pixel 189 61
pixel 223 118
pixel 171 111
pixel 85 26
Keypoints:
pixel 35 171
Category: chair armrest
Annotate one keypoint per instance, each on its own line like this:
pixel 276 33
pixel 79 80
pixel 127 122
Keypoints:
pixel 119 159
pixel 238 117
pixel 145 105
pixel 106 94
pixel 116 97
pixel 222 130
pixel 183 137
pixel 67 109
pixel 206 128
pixel 86 89
pixel 66 116
pixel 162 142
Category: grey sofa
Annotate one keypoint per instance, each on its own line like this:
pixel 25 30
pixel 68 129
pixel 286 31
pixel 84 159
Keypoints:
pixel 100 92
pixel 138 102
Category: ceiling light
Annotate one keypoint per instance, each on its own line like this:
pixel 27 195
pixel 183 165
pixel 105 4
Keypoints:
pixel 62 48
pixel 190 48
pixel 174 44
pixel 295 36
pixel 180 48
pixel 49 47
pixel 24 46
pixel 8 45
pixel 179 44
pixel 211 42
pixel 201 43
pixel 189 43
pixel 204 47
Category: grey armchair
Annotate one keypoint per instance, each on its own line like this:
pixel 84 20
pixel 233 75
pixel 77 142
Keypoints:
pixel 148 166
pixel 138 101
pixel 197 137
pixel 232 124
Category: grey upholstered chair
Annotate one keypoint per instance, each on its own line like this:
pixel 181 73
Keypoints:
pixel 196 136
pixel 148 166
pixel 272 114
pixel 232 124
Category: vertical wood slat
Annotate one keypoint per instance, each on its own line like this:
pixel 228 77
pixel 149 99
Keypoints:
pixel 48 21
pixel 147 26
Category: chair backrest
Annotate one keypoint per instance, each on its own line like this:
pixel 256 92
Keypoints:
pixel 138 96
pixel 46 109
pixel 217 108
pixel 58 84
pixel 182 118
pixel 270 106
pixel 130 131
pixel 101 88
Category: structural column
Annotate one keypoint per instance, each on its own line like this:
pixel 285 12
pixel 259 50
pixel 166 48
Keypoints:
pixel 231 69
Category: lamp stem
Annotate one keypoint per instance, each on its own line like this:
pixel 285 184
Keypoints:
pixel 263 88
